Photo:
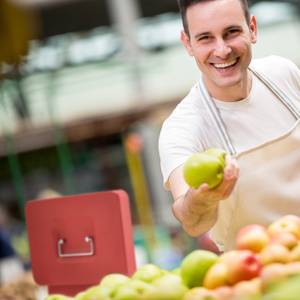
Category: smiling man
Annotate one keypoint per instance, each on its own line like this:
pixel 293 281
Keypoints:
pixel 250 108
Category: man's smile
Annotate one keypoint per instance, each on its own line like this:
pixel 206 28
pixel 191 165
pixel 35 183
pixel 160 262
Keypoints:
pixel 226 65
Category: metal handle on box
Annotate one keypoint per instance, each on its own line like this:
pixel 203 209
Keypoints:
pixel 87 239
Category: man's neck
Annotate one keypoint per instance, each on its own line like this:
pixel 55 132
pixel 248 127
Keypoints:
pixel 233 93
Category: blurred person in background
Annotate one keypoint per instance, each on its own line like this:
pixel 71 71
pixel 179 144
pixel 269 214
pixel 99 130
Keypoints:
pixel 10 264
pixel 248 107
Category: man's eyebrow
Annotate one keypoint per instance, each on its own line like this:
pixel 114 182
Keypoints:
pixel 232 27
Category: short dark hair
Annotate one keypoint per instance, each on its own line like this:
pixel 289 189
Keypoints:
pixel 185 4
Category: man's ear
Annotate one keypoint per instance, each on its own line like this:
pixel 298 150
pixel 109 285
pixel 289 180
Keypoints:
pixel 186 42
pixel 253 29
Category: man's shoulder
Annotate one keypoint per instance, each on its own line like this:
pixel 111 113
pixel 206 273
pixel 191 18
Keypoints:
pixel 188 106
pixel 272 65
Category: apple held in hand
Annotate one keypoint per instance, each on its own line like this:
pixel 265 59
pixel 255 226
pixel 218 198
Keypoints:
pixel 203 168
pixel 218 153
pixel 252 237
pixel 195 266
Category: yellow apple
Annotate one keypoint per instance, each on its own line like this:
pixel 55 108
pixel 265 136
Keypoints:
pixel 286 239
pixel 249 289
pixel 287 223
pixel 216 276
pixel 295 253
pixel 252 237
pixel 273 253
pixel 200 293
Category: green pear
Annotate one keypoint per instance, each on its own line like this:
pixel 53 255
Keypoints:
pixel 217 152
pixel 195 266
pixel 203 168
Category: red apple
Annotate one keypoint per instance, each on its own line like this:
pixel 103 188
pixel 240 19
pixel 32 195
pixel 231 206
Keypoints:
pixel 242 265
pixel 274 253
pixel 288 223
pixel 216 276
pixel 252 237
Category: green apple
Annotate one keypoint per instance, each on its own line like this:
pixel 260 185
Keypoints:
pixel 167 287
pixel 148 273
pixel 57 297
pixel 134 289
pixel 95 293
pixel 217 152
pixel 195 266
pixel 113 280
pixel 288 289
pixel 203 168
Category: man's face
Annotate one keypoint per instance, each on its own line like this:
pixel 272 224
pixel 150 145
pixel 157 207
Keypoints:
pixel 220 41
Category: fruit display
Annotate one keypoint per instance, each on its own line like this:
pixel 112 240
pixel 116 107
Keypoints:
pixel 205 167
pixel 265 265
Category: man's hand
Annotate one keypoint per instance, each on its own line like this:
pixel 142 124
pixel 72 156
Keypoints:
pixel 197 209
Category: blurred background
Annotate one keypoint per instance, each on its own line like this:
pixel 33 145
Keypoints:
pixel 84 88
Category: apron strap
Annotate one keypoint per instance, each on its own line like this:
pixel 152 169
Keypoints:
pixel 216 119
pixel 278 93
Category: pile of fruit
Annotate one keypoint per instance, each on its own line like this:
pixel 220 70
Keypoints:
pixel 265 265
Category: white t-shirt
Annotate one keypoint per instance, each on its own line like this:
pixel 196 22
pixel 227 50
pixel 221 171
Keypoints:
pixel 249 122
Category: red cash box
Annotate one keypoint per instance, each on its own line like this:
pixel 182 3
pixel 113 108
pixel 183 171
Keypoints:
pixel 76 240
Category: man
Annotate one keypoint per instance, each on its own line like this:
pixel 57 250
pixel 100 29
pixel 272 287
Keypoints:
pixel 248 107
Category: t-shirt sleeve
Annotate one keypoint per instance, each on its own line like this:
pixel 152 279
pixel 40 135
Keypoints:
pixel 180 137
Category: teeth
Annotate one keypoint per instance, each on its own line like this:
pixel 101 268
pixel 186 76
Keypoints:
pixel 221 66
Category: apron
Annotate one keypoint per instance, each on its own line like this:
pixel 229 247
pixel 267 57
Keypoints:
pixel 269 183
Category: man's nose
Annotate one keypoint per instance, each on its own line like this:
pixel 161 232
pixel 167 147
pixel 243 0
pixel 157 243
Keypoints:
pixel 222 49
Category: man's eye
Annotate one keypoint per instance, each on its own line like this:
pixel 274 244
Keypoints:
pixel 203 38
pixel 233 31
